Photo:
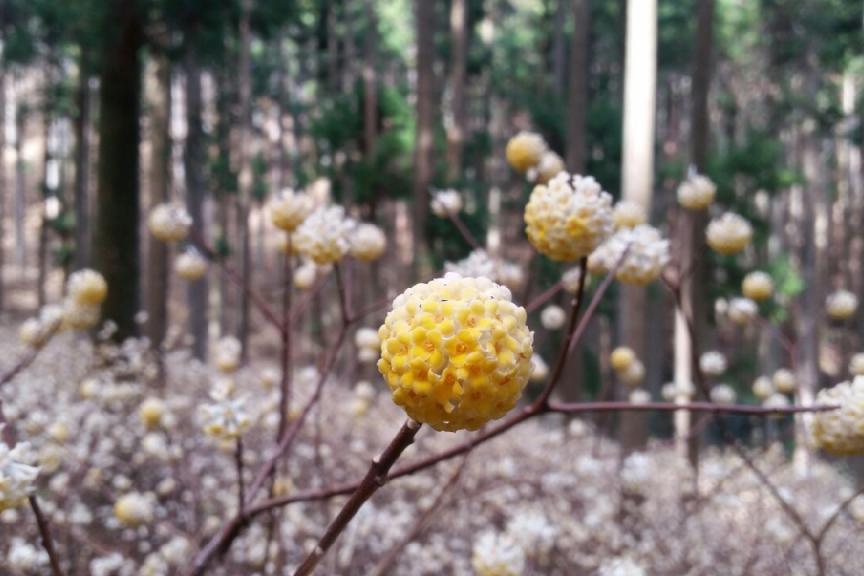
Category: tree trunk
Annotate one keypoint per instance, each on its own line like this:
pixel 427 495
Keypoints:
pixel 193 159
pixel 577 108
pixel 456 130
pixel 691 236
pixel 2 171
pixel 82 164
pixel 160 191
pixel 640 80
pixel 425 137
pixel 227 312
pixel 47 190
pixel 559 51
pixel 245 182
pixel 21 113
pixel 116 238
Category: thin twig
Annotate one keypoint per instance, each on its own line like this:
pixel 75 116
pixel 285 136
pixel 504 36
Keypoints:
pixel 465 232
pixel 241 486
pixel 45 535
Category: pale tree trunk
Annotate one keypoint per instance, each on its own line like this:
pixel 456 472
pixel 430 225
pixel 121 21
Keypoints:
pixel 245 179
pixel 456 130
pixel 640 80
pixel 577 108
pixel 691 238
pixel 82 163
pixel 160 187
pixel 425 138
pixel 370 121
pixel 47 190
pixel 193 160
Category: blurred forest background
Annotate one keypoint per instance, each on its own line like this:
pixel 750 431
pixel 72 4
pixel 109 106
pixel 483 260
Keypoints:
pixel 111 107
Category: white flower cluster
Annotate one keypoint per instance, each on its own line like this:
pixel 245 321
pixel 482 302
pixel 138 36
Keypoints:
pixel 628 214
pixel 550 165
pixel 841 432
pixel 364 396
pixel 368 345
pixel 627 366
pixel 227 354
pixel 757 286
pixel 134 508
pixel 742 311
pixel 841 305
pixel 478 264
pixel 497 554
pixel 729 234
pixel 570 279
pixel 169 222
pixel 784 381
pixel 553 317
pixel 696 192
pixel 37 331
pixel 525 151
pixel 325 236
pixel 190 264
pixel 289 209
pixel 568 218
pixel 86 290
pixel 856 364
pixel 368 242
pixel 763 388
pixel 647 255
pixel 446 203
pixel 723 394
pixel 712 363
pixel 539 368
pixel 17 474
pixel 225 418
pixel 621 567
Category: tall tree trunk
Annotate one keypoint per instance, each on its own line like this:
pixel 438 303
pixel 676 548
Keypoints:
pixel 245 157
pixel 577 108
pixel 193 159
pixel 425 137
pixel 691 236
pixel 47 190
pixel 456 130
pixel 21 113
pixel 82 163
pixel 116 238
pixel 640 80
pixel 3 189
pixel 559 51
pixel 160 191
pixel 227 316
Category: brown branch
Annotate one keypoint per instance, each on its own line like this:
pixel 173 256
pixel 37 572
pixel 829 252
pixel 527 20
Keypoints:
pixel 241 487
pixel 45 535
pixel 375 477
pixel 465 232
pixel 543 297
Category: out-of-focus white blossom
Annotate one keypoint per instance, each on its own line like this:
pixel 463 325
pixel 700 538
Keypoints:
pixel 647 255
pixel 841 305
pixel 304 275
pixel 621 567
pixel 134 509
pixel 763 387
pixel 553 317
pixel 539 368
pixel 634 374
pixel 696 192
pixel 628 214
pixel 497 554
pixel 531 529
pixel 568 218
pixel 712 363
pixel 80 316
pixel 289 209
pixel 550 165
pixel 151 412
pixel 640 396
pixel 757 286
pixel 570 280
pixel 669 391
pixel 729 234
pixel 37 331
pixel 446 203
pixel 87 287
pixel 841 432
pixel 742 311
pixel 169 222
pixel 325 235
pixel 17 474
pixel 227 354
pixel 784 381
pixel 368 242
pixel 525 150
pixel 477 264
pixel 776 400
pixel 723 394
pixel 622 358
pixel 190 264
pixel 856 364
pixel 368 345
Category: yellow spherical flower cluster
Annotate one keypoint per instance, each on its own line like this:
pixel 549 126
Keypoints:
pixel 190 265
pixel 841 432
pixel 169 222
pixel 134 509
pixel 627 366
pixel 742 311
pixel 757 286
pixel 289 209
pixel 784 381
pixel 729 234
pixel 525 151
pixel 151 412
pixel 696 192
pixel 841 305
pixel 368 242
pixel 87 287
pixel 856 364
pixel 647 255
pixel 456 352
pixel 568 218
pixel 324 236
pixel 17 475
pixel 628 214
pixel 550 165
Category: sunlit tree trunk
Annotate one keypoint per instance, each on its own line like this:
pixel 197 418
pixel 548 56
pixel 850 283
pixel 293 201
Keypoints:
pixel 425 138
pixel 245 164
pixel 160 185
pixel 456 130
pixel 691 240
pixel 82 162
pixel 193 161
pixel 116 241
pixel 640 80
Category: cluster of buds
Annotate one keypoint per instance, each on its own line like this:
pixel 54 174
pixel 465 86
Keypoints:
pixel 647 253
pixel 841 305
pixel 228 353
pixel 568 218
pixel 712 363
pixel 169 222
pixel 225 418
pixel 757 286
pixel 478 264
pixel 368 344
pixel 289 209
pixel 36 332
pixel 190 264
pixel 17 474
pixel 696 192
pixel 627 366
pixel 134 509
pixel 528 153
pixel 446 203
pixel 368 242
pixel 729 234
pixel 456 352
pixel 841 432
pixel 325 236
pixel 364 396
pixel 628 214
pixel 497 554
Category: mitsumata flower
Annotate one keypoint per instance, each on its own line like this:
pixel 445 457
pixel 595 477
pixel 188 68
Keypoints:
pixel 525 151
pixel 325 235
pixel 368 242
pixel 289 209
pixel 696 192
pixel 456 352
pixel 757 286
pixel 190 264
pixel 841 432
pixel 87 287
pixel 729 234
pixel 568 218
pixel 647 253
pixel 17 474
pixel 169 222
pixel 446 203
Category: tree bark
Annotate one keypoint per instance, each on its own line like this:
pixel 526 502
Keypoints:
pixel 82 163
pixel 245 161
pixel 640 80
pixel 193 159
pixel 3 188
pixel 425 136
pixel 21 113
pixel 116 238
pixel 456 130
pixel 577 108
pixel 160 187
